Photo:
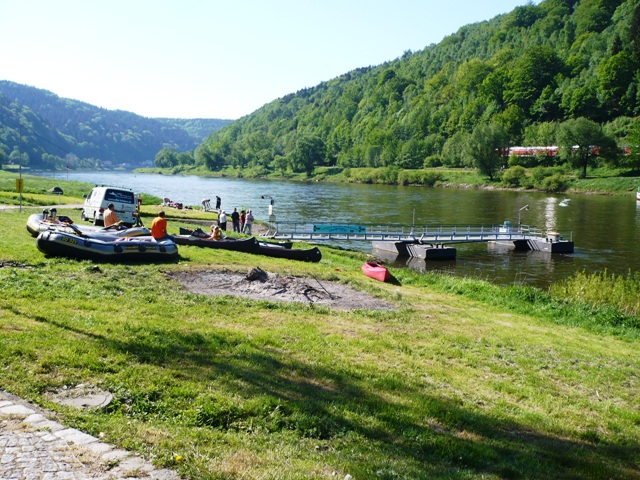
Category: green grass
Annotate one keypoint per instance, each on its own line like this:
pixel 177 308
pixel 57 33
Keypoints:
pixel 614 185
pixel 465 380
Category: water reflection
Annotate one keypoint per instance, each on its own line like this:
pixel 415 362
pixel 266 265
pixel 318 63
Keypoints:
pixel 550 213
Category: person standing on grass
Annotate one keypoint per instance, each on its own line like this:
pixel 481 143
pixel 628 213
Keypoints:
pixel 248 222
pixel 235 220
pixel 243 218
pixel 223 220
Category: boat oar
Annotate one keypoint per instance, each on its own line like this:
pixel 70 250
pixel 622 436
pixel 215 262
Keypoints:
pixel 76 230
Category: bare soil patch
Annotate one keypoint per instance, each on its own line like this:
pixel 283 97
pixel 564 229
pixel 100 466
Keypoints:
pixel 260 285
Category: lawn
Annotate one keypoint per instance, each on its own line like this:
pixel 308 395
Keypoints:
pixel 463 380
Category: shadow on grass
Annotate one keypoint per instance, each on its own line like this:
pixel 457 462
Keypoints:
pixel 422 435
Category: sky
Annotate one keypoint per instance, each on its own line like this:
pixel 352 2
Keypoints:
pixel 213 58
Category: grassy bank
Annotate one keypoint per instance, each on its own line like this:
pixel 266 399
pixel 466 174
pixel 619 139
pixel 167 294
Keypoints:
pixel 462 380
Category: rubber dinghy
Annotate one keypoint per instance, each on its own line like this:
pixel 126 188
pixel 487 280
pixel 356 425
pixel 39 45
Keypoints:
pixel 63 244
pixel 38 223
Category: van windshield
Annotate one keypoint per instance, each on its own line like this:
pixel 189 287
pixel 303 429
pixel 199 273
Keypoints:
pixel 119 196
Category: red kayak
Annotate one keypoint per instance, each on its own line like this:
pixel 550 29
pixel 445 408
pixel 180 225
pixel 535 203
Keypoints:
pixel 376 271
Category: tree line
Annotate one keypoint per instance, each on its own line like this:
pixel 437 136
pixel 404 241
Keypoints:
pixel 564 72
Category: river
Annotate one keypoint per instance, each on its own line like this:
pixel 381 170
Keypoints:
pixel 605 229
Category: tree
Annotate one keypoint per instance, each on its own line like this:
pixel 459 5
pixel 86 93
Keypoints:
pixel 185 158
pixel 615 74
pixel 280 163
pixel 453 150
pixel 634 143
pixel 309 151
pixel 534 71
pixel 166 158
pixel 541 134
pixel 485 146
pixel 594 15
pixel 577 139
pixel 512 120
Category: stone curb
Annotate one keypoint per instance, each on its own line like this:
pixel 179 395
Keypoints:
pixel 18 461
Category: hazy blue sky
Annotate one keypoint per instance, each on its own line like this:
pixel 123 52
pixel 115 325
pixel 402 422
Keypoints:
pixel 213 58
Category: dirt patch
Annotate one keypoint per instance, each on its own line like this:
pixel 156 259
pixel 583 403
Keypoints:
pixel 260 285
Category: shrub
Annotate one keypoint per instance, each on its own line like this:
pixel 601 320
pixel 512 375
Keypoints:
pixel 432 161
pixel 554 183
pixel 514 176
pixel 389 175
pixel 549 179
pixel 419 177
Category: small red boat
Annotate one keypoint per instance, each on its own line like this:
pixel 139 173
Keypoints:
pixel 376 271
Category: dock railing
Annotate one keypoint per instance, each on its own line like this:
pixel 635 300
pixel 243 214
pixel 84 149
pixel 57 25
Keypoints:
pixel 326 231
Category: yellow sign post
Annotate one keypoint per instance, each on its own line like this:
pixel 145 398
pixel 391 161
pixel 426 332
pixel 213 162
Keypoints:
pixel 19 185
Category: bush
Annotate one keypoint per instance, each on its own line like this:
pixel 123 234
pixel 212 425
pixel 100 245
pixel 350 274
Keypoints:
pixel 549 179
pixel 433 161
pixel 419 177
pixel 514 177
pixel 389 175
pixel 554 183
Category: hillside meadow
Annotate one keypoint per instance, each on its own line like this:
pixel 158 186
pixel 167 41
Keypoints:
pixel 461 380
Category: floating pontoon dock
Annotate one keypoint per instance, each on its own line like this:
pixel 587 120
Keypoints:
pixel 425 241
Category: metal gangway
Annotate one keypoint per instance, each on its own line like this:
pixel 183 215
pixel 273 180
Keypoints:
pixel 438 234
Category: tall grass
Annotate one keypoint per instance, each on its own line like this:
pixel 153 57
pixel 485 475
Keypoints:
pixel 602 289
pixel 599 312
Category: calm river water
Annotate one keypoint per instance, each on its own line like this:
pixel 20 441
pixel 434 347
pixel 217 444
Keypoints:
pixel 605 229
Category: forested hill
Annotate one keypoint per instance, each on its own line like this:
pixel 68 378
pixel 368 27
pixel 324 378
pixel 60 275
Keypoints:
pixel 58 131
pixel 527 72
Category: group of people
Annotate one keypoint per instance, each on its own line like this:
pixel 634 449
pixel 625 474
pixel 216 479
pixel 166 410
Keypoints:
pixel 158 225
pixel 242 221
pixel 206 204
pixel 167 202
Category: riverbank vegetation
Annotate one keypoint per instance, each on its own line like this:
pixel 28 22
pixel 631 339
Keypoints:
pixel 462 379
pixel 547 179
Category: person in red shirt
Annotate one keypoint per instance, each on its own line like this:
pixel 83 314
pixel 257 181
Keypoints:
pixel 159 227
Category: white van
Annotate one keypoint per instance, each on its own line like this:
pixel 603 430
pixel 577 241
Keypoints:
pixel 123 199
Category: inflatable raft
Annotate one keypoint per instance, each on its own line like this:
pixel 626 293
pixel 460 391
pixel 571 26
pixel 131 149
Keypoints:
pixel 40 222
pixel 64 244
